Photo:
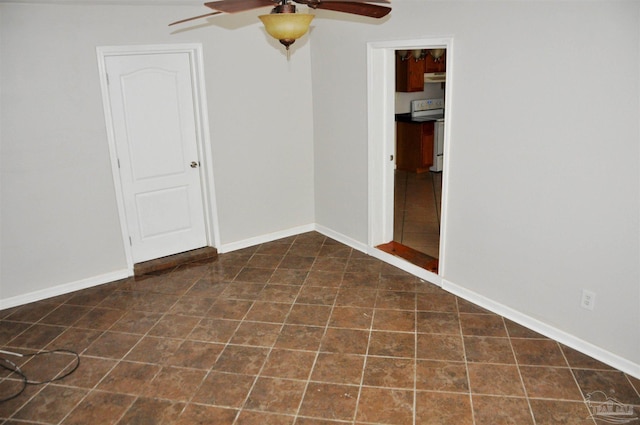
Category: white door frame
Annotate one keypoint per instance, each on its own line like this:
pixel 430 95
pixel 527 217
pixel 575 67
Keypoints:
pixel 202 134
pixel 381 144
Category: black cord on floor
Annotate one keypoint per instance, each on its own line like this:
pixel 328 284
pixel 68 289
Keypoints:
pixel 12 367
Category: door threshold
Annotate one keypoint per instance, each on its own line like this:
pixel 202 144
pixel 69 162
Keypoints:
pixel 413 256
pixel 172 261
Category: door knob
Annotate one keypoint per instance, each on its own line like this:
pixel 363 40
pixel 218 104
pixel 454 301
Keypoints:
pixel 194 164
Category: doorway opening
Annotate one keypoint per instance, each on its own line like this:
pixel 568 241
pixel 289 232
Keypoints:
pixel 416 236
pixel 419 117
pixel 407 178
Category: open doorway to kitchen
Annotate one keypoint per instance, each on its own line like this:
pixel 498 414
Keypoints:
pixel 407 106
pixel 419 117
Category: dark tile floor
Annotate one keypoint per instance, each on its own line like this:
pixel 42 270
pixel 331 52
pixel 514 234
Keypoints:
pixel 302 330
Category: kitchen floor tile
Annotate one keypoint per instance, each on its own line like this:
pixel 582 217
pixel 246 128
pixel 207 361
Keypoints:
pixel 129 378
pixel 394 320
pixel 389 372
pixel 329 401
pixel 441 302
pixel 304 331
pixel 275 395
pixel 550 382
pixel 392 344
pixel 385 405
pixel 483 349
pixel 553 412
pixel 51 404
pixel 241 359
pixel 248 417
pixel 224 389
pixel 99 407
pixel 175 383
pixel 205 414
pixel 436 408
pixel 494 410
pixel 495 379
pixel 610 382
pixel 538 352
pixel 291 364
pixel 446 376
pixel 338 368
pixel 153 411
pixel 482 325
pixel 435 322
pixel 440 347
pixel 351 317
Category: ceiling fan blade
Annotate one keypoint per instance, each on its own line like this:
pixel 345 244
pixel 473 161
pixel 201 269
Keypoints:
pixel 355 8
pixel 355 1
pixel 195 17
pixel 233 6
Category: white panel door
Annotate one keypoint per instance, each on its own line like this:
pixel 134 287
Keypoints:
pixel 152 108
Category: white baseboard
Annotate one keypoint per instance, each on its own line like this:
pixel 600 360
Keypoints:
pixel 567 339
pixel 406 266
pixel 381 255
pixel 122 274
pixel 269 237
pixel 542 328
pixel 341 238
pixel 64 288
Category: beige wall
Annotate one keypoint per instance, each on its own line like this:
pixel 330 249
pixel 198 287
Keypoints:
pixel 60 223
pixel 544 162
pixel 544 166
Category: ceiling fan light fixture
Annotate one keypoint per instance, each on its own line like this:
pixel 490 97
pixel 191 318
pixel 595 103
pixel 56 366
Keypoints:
pixel 286 27
pixel 436 54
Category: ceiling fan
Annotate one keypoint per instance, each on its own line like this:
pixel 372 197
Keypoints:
pixel 283 23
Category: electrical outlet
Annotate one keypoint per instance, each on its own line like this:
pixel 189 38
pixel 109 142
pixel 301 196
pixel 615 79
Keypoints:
pixel 588 299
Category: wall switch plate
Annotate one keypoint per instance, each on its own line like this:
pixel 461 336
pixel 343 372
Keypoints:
pixel 588 300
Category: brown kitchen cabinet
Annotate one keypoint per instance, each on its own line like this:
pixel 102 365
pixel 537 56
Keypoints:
pixel 430 65
pixel 414 146
pixel 409 74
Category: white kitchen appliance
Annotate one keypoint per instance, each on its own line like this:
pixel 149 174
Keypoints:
pixel 432 110
pixel 438 145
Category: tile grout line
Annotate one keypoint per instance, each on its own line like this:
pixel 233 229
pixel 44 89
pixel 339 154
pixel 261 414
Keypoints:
pixel 517 364
pixel 284 320
pixel 326 327
pixel 161 368
pixel 575 379
pixel 117 361
pixel 466 361
pixel 366 355
pixel 120 360
pixel 208 372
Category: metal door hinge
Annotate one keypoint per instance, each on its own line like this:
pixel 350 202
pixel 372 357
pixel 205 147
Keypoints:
pixel 130 242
